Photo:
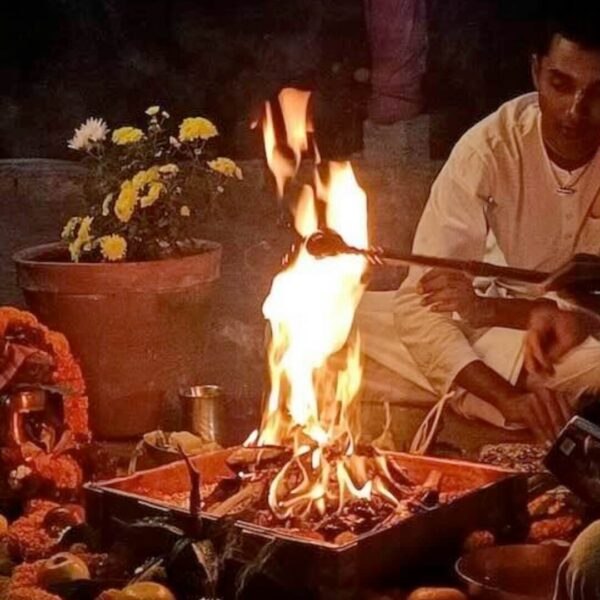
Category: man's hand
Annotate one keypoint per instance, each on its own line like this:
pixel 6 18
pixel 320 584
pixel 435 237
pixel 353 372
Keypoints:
pixel 552 333
pixel 451 291
pixel 542 410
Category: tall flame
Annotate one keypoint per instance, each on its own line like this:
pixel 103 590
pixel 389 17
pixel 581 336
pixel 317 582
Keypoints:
pixel 311 308
pixel 310 407
pixel 294 107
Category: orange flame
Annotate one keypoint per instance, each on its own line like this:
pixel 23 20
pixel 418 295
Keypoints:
pixel 294 107
pixel 311 308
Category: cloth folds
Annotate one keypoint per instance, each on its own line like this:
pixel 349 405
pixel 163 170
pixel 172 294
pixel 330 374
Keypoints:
pixel 500 348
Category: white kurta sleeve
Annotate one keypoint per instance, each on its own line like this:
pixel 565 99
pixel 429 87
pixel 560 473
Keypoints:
pixel 453 225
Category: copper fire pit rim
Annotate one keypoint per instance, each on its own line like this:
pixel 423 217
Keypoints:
pixel 280 533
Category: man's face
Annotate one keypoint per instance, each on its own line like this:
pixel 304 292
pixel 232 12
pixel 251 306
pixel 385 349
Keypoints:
pixel 568 82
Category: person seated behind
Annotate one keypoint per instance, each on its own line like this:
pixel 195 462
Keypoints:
pixel 521 188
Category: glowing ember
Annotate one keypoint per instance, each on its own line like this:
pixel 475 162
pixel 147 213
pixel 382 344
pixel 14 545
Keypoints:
pixel 313 409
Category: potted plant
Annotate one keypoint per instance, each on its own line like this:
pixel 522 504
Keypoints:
pixel 130 284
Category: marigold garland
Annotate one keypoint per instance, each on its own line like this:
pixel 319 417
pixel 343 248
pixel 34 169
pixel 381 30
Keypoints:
pixel 66 374
pixel 24 579
pixel 27 539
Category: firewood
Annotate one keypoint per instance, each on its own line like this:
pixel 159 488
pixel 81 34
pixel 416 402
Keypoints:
pixel 243 458
pixel 428 494
pixel 249 495
pixel 386 475
pixel 224 489
pixel 399 473
pixel 433 481
pixel 195 484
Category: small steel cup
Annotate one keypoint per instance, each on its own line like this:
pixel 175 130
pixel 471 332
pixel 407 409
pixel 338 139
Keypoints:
pixel 203 411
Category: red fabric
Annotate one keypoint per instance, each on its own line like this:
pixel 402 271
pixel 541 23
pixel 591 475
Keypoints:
pixel 14 356
pixel 397 32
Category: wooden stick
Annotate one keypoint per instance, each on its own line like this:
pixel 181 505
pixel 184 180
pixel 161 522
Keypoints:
pixel 195 483
pixel 250 493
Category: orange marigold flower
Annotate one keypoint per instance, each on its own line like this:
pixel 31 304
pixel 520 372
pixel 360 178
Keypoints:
pixel 67 373
pixel 26 537
pixel 26 574
pixel 62 470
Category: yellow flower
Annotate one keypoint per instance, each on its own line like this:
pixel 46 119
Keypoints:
pixel 69 228
pixel 127 135
pixel 126 202
pixel 106 205
pixel 170 169
pixel 225 166
pixel 84 230
pixel 139 180
pixel 153 173
pixel 184 211
pixel 74 251
pixel 113 247
pixel 154 191
pixel 194 128
pixel 83 239
pixel 142 178
pixel 152 110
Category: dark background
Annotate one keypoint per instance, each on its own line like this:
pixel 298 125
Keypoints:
pixel 66 60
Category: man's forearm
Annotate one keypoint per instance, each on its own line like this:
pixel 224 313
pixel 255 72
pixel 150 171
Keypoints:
pixel 513 313
pixel 478 379
pixel 542 411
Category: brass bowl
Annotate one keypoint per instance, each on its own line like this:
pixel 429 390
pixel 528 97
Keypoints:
pixel 518 572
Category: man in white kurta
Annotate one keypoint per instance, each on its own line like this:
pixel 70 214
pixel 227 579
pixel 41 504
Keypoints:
pixel 501 197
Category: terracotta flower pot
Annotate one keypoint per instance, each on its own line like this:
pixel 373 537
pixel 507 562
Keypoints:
pixel 138 329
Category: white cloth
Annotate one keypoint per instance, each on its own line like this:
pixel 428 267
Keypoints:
pixel 499 348
pixel 495 199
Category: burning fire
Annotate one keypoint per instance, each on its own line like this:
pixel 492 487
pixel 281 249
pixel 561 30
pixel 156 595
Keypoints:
pixel 312 408
pixel 294 107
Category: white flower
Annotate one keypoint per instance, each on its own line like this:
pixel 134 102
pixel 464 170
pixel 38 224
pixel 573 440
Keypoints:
pixel 106 205
pixel 174 142
pixel 152 110
pixel 165 114
pixel 91 132
pixel 170 169
pixel 69 228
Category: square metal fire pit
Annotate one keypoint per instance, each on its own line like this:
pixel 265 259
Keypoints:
pixel 493 499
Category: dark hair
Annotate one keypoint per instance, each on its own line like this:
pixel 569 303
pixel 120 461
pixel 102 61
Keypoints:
pixel 576 20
